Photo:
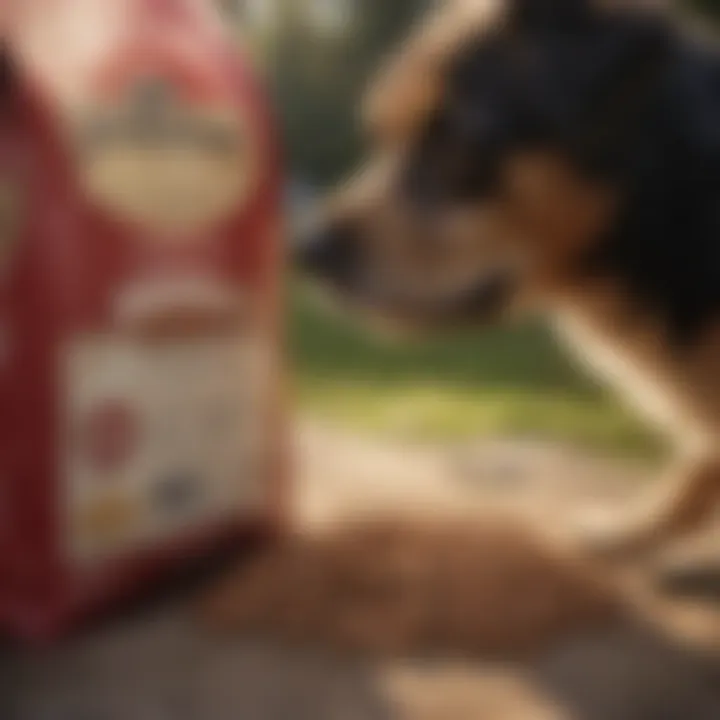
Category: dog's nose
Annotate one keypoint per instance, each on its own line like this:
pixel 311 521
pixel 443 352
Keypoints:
pixel 330 253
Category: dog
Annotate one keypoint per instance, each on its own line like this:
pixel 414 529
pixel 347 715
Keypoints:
pixel 562 157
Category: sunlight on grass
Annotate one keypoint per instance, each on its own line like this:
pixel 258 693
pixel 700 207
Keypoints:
pixel 497 382
pixel 441 412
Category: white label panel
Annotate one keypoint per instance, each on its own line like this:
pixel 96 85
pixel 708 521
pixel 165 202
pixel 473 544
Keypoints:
pixel 160 439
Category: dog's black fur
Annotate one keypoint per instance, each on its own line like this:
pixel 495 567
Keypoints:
pixel 666 245
pixel 629 101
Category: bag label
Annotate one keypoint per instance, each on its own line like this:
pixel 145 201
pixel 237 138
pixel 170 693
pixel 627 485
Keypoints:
pixel 161 438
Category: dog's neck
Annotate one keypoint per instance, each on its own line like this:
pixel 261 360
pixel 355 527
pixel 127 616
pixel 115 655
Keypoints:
pixel 627 347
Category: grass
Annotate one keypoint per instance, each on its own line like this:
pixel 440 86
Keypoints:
pixel 500 381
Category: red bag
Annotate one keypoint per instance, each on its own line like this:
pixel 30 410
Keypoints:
pixel 140 191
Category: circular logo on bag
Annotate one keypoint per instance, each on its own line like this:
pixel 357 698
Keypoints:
pixel 164 163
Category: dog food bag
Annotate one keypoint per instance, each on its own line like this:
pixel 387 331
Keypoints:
pixel 141 419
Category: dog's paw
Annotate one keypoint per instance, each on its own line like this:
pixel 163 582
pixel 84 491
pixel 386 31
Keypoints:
pixel 690 569
pixel 612 535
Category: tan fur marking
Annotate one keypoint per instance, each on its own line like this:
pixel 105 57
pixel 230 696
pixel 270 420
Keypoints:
pixel 412 81
pixel 552 206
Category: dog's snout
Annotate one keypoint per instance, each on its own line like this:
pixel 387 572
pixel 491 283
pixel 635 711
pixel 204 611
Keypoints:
pixel 330 253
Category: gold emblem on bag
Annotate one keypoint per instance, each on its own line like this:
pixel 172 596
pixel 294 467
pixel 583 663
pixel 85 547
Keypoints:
pixel 160 162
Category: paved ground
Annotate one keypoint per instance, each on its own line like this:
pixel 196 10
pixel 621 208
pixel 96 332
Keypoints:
pixel 159 666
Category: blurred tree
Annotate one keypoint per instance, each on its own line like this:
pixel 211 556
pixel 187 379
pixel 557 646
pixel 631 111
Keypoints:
pixel 320 54
pixel 710 7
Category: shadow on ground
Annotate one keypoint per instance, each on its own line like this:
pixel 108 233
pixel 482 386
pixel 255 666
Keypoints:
pixel 160 668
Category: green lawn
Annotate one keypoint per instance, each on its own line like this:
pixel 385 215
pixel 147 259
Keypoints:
pixel 500 381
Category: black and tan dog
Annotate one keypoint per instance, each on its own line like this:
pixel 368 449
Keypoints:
pixel 561 155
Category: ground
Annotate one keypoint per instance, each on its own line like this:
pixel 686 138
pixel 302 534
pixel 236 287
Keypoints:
pixel 161 666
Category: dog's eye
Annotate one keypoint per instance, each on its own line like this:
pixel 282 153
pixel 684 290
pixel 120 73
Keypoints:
pixel 449 172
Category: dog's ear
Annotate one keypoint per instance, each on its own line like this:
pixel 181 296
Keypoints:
pixel 538 12
pixel 635 58
pixel 535 10
pixel 628 73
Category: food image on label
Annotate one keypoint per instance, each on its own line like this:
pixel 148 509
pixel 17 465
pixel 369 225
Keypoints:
pixel 156 159
pixel 109 435
pixel 162 438
pixel 108 520
pixel 178 492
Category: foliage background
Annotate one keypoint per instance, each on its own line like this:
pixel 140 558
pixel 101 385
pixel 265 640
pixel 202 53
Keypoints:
pixel 317 75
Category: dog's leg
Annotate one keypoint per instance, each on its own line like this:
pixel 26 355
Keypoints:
pixel 679 508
